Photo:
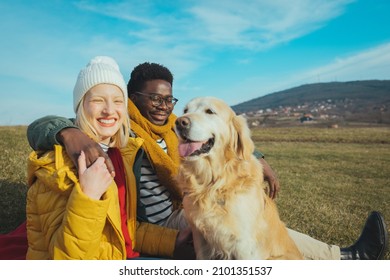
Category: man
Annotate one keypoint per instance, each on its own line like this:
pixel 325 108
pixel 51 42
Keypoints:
pixel 150 109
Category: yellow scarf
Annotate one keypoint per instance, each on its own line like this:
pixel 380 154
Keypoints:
pixel 165 164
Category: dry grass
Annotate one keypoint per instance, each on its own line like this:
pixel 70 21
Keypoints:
pixel 331 178
pixel 13 173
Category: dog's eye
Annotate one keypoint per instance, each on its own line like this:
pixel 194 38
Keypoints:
pixel 185 111
pixel 209 111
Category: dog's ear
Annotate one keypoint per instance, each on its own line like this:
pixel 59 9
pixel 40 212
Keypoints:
pixel 242 142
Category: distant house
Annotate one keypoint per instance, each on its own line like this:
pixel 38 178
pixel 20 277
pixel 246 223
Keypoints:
pixel 306 118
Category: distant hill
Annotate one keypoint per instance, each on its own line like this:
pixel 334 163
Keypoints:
pixel 360 93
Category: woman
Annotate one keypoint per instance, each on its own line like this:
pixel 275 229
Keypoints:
pixel 85 213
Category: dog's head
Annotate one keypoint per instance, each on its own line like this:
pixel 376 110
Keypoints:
pixel 209 126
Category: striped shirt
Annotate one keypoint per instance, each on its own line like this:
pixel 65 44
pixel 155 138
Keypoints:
pixel 154 196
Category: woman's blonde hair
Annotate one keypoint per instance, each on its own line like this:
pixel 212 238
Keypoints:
pixel 119 140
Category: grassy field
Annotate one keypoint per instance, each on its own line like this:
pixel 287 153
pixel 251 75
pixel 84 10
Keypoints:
pixel 13 176
pixel 331 179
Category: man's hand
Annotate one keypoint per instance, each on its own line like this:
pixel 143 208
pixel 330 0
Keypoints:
pixel 75 141
pixel 270 177
pixel 184 248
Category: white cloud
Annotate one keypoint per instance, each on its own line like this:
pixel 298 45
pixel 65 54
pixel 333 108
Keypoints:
pixel 373 63
pixel 183 41
pixel 247 24
pixel 133 11
pixel 262 24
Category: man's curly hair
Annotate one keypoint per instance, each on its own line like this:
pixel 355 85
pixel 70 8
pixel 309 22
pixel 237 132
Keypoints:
pixel 146 72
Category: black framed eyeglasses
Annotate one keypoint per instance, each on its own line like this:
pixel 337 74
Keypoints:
pixel 157 99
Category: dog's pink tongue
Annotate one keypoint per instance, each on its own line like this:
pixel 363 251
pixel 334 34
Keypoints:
pixel 185 149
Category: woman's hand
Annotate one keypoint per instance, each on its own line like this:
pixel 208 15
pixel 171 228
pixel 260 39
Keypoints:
pixel 94 180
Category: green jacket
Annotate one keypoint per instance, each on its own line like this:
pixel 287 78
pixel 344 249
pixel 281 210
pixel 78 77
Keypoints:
pixel 41 134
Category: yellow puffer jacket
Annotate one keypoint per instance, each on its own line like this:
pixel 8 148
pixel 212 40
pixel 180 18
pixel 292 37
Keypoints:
pixel 63 223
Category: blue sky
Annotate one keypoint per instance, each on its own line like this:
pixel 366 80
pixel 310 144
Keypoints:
pixel 234 50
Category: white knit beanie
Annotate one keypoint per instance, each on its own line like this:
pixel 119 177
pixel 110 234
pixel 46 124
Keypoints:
pixel 100 70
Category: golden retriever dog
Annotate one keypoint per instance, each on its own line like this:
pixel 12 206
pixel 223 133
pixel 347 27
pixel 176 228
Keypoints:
pixel 225 201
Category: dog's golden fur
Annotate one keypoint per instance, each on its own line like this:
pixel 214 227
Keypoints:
pixel 224 196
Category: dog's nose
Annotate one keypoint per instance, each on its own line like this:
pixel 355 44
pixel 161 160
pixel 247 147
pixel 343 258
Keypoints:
pixel 183 122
